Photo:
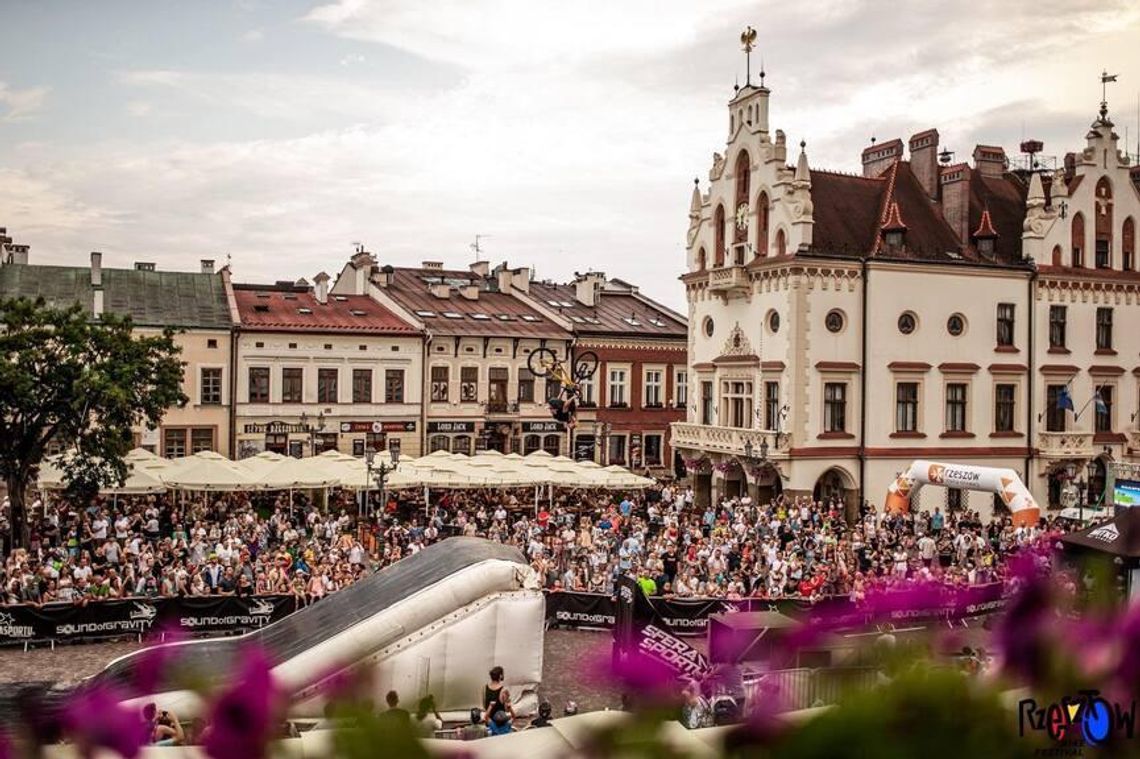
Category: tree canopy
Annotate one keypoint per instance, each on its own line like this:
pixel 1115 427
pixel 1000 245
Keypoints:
pixel 82 384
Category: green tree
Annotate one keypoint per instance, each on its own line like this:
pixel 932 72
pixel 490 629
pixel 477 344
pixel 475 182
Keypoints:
pixel 82 383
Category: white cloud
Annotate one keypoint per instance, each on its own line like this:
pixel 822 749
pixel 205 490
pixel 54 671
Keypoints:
pixel 18 105
pixel 139 108
pixel 268 95
pixel 569 133
pixel 253 36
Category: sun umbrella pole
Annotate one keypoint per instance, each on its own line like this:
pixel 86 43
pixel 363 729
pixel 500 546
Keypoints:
pixel 536 487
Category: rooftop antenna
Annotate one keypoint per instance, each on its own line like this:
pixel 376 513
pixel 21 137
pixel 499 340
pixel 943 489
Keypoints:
pixel 476 247
pixel 748 41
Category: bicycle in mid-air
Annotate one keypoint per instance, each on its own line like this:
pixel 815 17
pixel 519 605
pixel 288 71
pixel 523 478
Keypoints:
pixel 545 363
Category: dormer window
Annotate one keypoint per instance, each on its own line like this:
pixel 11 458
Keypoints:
pixel 986 246
pixel 894 238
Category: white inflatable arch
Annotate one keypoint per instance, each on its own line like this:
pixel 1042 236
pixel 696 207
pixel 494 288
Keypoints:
pixel 1004 482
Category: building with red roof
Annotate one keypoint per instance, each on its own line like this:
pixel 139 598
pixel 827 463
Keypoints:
pixel 318 371
pixel 478 331
pixel 841 325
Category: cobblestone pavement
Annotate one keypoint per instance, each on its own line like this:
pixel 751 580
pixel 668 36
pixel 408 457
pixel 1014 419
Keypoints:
pixel 569 658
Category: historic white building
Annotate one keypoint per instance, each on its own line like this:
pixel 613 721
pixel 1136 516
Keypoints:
pixel 841 326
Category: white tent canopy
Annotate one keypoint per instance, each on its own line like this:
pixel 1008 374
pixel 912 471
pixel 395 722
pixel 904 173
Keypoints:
pixel 209 471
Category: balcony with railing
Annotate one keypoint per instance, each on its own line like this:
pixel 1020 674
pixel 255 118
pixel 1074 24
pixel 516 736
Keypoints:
pixel 1066 445
pixel 729 279
pixel 729 440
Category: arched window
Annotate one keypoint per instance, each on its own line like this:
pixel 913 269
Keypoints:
pixel 718 232
pixel 762 224
pixel 552 444
pixel 439 443
pixel 781 243
pixel 743 169
pixel 1058 256
pixel 531 443
pixel 702 259
pixel 461 444
pixel 1102 226
pixel 1128 244
pixel 1077 230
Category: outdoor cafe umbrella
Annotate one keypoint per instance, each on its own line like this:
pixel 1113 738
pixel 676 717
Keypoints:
pixel 207 471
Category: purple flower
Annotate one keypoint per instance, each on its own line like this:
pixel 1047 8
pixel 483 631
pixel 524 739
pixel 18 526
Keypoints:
pixel 1021 632
pixel 154 661
pixel 242 718
pixel 95 719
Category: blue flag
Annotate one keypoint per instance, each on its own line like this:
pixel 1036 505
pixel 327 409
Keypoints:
pixel 1101 406
pixel 1065 401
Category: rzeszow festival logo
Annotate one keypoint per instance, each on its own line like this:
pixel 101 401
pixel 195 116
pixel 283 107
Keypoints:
pixel 1086 719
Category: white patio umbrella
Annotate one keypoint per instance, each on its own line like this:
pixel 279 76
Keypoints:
pixel 293 474
pixel 207 471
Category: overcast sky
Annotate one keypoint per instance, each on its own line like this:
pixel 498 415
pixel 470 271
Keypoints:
pixel 280 132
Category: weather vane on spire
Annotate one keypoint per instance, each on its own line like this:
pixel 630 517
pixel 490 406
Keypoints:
pixel 748 41
pixel 1105 78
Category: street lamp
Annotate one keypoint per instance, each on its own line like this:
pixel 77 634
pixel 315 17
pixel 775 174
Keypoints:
pixel 379 471
pixel 1090 470
pixel 313 430
pixel 604 429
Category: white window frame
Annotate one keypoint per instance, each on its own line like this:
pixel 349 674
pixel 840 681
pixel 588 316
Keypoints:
pixel 613 397
pixel 658 385
pixel 680 387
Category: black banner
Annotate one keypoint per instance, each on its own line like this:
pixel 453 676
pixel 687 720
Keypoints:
pixel 139 616
pixel 689 616
pixel 643 636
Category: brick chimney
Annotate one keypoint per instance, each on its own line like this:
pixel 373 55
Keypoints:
pixel 586 287
pixel 924 160
pixel 433 264
pixel 207 265
pixel 384 277
pixel 878 157
pixel 440 290
pixel 480 268
pixel 989 160
pixel 470 292
pixel 321 291
pixel 956 199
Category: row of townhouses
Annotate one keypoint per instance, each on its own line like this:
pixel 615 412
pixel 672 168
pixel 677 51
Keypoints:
pixel 391 358
pixel 844 325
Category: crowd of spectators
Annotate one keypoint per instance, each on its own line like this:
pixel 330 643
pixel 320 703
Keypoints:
pixel 246 544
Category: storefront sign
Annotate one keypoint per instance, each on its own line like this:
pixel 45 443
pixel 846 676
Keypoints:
pixel 451 427
pixel 377 426
pixel 542 426
pixel 275 428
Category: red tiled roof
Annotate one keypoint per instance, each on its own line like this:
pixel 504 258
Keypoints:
pixel 610 313
pixel 411 289
pixel 1004 198
pixel 845 210
pixel 928 236
pixel 270 309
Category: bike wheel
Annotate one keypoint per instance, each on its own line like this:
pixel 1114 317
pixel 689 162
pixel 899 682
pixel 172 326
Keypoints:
pixel 541 362
pixel 585 364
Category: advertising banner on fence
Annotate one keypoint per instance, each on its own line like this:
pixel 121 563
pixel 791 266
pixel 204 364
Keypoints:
pixel 140 616
pixel 690 616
